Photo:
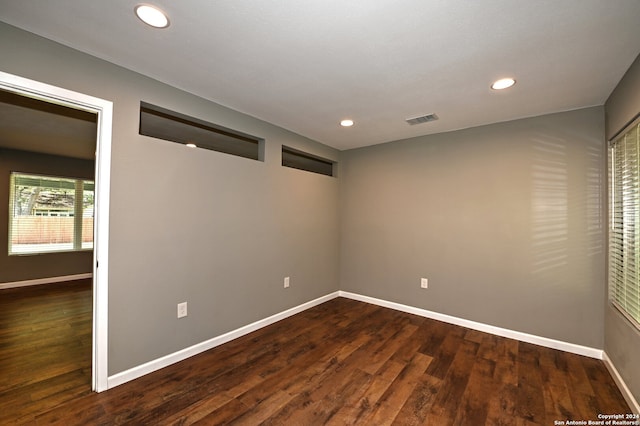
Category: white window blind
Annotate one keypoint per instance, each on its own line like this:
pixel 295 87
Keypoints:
pixel 624 233
pixel 49 214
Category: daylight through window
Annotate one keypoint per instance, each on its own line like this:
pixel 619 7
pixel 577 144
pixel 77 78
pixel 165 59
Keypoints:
pixel 624 233
pixel 50 214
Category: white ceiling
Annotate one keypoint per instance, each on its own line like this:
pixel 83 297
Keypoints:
pixel 306 64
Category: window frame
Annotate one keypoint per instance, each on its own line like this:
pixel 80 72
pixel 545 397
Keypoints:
pixel 617 264
pixel 77 243
pixel 164 124
pixel 301 160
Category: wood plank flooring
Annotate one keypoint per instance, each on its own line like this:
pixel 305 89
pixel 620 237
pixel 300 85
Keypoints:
pixel 45 347
pixel 347 362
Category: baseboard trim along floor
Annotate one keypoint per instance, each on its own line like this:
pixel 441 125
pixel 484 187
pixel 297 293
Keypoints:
pixel 183 354
pixel 151 366
pixel 624 389
pixel 498 331
pixel 50 280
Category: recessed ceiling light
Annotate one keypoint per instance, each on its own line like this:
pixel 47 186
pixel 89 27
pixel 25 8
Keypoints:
pixel 151 15
pixel 191 145
pixel 503 83
pixel 346 123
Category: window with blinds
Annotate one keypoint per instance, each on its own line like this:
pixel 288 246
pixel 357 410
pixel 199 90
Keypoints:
pixel 49 214
pixel 624 233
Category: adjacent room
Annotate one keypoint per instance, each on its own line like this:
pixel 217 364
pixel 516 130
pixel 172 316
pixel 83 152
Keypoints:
pixel 283 212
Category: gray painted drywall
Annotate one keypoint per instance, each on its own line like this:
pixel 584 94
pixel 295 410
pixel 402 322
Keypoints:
pixel 218 231
pixel 20 268
pixel 505 220
pixel 623 104
pixel 622 339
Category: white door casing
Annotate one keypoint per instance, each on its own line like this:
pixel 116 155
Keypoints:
pixel 104 111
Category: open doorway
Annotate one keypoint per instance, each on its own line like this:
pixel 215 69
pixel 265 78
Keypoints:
pixel 47 164
pixel 102 109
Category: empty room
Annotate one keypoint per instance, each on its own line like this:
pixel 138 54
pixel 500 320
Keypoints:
pixel 320 212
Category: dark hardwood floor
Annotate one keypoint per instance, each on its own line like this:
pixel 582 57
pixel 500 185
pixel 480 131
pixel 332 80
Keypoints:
pixel 45 348
pixel 347 362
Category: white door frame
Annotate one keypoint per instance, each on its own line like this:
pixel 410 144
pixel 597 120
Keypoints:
pixel 104 110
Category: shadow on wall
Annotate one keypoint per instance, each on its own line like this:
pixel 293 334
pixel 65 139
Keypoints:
pixel 549 205
pixel 567 227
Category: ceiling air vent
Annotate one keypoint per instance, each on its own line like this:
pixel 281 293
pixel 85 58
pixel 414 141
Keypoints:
pixel 423 119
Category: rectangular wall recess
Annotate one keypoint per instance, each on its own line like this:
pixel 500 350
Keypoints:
pixel 162 123
pixel 304 161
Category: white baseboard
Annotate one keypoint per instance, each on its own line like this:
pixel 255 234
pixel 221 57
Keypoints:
pixel 151 366
pixel 524 337
pixel 624 389
pixel 50 280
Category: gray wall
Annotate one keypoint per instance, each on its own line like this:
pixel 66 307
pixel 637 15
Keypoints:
pixel 215 230
pixel 622 340
pixel 19 268
pixel 506 221
pixel 623 104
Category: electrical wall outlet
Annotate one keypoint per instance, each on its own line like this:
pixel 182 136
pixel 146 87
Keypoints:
pixel 182 309
pixel 286 282
pixel 424 283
